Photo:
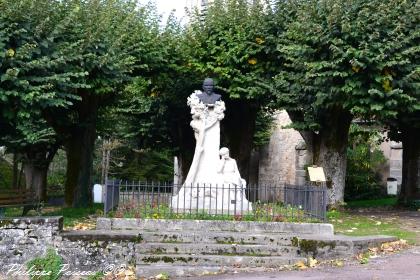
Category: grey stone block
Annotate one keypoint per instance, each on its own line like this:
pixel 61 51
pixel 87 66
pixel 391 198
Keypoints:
pixel 215 260
pixel 235 226
pixel 103 223
pixel 215 249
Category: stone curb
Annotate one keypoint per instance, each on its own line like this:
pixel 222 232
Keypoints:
pixel 206 225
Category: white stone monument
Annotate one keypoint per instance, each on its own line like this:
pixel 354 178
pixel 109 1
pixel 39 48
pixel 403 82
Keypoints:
pixel 213 182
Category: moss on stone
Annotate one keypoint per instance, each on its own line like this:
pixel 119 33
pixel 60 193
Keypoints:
pixel 4 223
pixel 311 246
pixel 159 250
pixel 166 259
pixel 295 241
pixel 139 239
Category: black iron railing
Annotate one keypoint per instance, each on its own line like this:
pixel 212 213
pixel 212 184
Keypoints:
pixel 213 201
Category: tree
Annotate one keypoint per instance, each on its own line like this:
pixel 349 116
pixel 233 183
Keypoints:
pixel 339 59
pixel 64 60
pixel 231 42
pixel 33 77
pixel 109 50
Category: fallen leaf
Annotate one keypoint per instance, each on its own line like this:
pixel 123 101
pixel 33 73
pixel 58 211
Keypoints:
pixel 301 265
pixel 312 262
pixel 162 276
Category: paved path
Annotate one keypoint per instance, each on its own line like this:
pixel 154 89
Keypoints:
pixel 404 265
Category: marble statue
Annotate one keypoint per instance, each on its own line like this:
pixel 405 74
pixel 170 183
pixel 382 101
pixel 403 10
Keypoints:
pixel 228 169
pixel 211 166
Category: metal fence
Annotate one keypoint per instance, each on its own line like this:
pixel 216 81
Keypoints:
pixel 212 201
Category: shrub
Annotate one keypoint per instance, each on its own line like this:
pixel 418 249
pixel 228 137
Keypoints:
pixel 364 161
pixel 51 264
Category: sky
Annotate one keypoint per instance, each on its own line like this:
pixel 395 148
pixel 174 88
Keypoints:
pixel 166 6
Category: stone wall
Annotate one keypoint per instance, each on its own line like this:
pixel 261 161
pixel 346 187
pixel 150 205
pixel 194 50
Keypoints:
pixel 23 239
pixel 18 235
pixel 283 159
pixel 278 158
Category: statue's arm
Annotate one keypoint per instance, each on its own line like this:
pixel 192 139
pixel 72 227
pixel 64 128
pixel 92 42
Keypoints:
pixel 238 175
pixel 221 166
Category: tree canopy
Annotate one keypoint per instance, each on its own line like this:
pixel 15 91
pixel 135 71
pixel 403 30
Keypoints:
pixel 73 69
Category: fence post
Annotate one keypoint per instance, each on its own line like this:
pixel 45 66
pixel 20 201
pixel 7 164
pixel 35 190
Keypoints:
pixel 105 197
pixel 324 208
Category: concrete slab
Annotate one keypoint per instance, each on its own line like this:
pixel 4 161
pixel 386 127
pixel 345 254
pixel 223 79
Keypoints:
pixel 211 225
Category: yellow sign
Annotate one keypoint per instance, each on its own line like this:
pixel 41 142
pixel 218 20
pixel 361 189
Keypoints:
pixel 316 174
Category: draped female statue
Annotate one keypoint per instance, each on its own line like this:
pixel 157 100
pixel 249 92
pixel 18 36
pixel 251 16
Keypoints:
pixel 207 110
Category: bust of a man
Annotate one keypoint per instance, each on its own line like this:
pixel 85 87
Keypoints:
pixel 208 96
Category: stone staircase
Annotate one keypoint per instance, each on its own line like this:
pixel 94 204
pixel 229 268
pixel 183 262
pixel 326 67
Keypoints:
pixel 191 248
pixel 195 253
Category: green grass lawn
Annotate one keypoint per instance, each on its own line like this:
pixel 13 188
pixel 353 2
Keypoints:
pixel 71 216
pixel 390 201
pixel 358 225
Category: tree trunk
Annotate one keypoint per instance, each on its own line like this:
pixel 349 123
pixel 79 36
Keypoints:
pixel 35 167
pixel 36 179
pixel 15 171
pixel 410 187
pixel 328 149
pixel 79 151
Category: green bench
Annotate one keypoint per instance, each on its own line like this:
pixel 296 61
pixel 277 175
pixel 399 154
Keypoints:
pixel 18 198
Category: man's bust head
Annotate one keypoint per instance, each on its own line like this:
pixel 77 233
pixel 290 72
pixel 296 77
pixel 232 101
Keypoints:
pixel 208 96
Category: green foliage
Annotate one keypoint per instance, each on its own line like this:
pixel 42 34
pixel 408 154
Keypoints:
pixel 57 171
pixel 97 276
pixel 263 212
pixel 50 264
pixel 33 70
pixel 364 161
pixel 263 128
pixel 6 174
pixel 349 56
pixel 145 165
pixel 232 43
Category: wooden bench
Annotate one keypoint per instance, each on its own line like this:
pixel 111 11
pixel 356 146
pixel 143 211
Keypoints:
pixel 18 198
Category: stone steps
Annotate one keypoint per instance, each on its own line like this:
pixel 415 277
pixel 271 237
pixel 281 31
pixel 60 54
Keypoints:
pixel 216 260
pixel 155 225
pixel 181 237
pixel 217 237
pixel 216 249
pixel 184 248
